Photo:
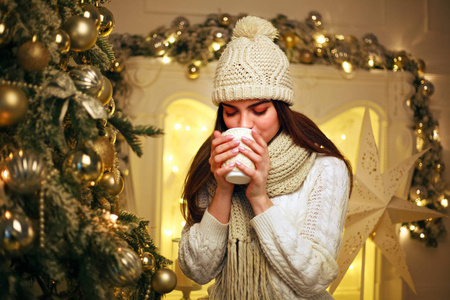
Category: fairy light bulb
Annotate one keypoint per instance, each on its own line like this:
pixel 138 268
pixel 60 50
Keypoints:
pixel 166 59
pixel 343 137
pixel 320 38
pixel 175 169
pixel 347 67
pixel 177 126
pixel 444 202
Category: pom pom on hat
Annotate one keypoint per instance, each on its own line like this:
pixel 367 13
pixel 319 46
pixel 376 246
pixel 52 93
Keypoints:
pixel 252 65
pixel 250 27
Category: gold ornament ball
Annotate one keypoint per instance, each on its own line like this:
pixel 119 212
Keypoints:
pixel 91 12
pixel 306 56
pixel 62 39
pixel 82 33
pixel 148 261
pixel 420 65
pixel 440 167
pixel 116 66
pixel 105 149
pixel 290 39
pixel 193 71
pixel 16 234
pixel 400 59
pixel 107 21
pixel 13 105
pixel 107 91
pixel 113 186
pixel 33 56
pixel 111 107
pixel 164 281
pixel 225 19
pixel 83 165
pixel 110 133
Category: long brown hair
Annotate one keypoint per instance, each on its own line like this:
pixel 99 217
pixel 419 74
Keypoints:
pixel 302 129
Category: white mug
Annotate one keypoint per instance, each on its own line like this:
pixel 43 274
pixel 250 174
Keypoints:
pixel 236 176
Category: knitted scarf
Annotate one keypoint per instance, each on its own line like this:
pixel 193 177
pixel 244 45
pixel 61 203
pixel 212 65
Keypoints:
pixel 246 271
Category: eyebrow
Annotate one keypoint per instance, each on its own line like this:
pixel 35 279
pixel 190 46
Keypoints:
pixel 250 106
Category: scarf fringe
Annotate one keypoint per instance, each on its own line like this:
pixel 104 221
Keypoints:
pixel 246 274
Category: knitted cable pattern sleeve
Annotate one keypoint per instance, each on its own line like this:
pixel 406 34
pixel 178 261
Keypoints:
pixel 302 234
pixel 202 247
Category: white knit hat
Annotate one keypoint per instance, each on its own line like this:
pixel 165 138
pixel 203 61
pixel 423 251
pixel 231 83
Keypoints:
pixel 252 65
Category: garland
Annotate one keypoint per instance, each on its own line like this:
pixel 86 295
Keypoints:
pixel 307 42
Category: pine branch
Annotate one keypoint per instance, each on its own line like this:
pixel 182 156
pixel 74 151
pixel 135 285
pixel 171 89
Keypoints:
pixel 131 133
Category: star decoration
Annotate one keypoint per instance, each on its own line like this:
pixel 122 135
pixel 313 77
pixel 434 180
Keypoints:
pixel 374 210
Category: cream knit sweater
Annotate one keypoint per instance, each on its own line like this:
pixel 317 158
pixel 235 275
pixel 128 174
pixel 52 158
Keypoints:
pixel 300 235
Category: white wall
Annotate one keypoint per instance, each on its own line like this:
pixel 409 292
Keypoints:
pixel 421 27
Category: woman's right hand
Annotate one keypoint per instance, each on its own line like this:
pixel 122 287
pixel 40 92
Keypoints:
pixel 222 149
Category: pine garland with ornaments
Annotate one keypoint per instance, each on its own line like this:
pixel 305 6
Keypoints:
pixel 308 42
pixel 63 233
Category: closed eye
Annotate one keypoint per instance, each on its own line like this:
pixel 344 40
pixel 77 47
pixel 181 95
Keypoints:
pixel 260 113
pixel 230 113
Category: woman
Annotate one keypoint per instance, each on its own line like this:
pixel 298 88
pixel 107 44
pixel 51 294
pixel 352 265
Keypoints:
pixel 279 236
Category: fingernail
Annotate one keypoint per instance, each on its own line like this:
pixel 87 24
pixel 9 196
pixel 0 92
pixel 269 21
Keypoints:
pixel 244 138
pixel 235 150
pixel 242 149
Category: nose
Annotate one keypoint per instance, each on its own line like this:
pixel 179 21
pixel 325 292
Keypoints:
pixel 245 121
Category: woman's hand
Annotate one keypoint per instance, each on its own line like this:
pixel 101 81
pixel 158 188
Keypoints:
pixel 256 189
pixel 222 149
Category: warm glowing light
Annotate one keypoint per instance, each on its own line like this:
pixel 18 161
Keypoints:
pixel 166 59
pixel 408 102
pixel 347 67
pixel 215 46
pixel 8 214
pixel 371 63
pixel 169 158
pixel 177 126
pixel 340 37
pixel 175 169
pixel 203 128
pixel 395 68
pixel 188 128
pixel 5 174
pixel 343 137
pixel 181 200
pixel 436 133
pixel 421 202
pixel 183 223
pixel 320 38
pixel 168 232
pixel 198 63
pixel 171 39
pixel 403 229
pixel 113 218
pixel 351 267
pixel 92 183
pixel 422 235
pixel 444 202
pixel 412 227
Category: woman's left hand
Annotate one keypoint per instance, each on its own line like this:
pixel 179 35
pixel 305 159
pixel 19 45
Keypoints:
pixel 256 189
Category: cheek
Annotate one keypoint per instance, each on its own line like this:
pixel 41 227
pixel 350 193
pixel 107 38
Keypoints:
pixel 269 128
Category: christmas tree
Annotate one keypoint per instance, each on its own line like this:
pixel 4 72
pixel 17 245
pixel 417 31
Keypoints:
pixel 62 231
